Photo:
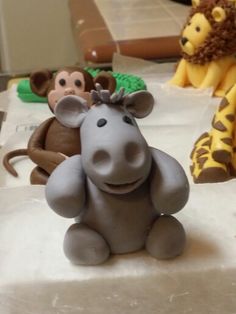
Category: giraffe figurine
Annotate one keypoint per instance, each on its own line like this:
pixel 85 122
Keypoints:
pixel 214 153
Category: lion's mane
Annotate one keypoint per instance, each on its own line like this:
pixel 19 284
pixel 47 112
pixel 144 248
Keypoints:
pixel 221 41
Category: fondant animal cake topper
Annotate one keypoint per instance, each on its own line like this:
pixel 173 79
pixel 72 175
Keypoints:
pixel 120 191
pixel 52 142
pixel 214 154
pixel 208 44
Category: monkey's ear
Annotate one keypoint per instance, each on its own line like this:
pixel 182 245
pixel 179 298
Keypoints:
pixel 40 82
pixel 106 80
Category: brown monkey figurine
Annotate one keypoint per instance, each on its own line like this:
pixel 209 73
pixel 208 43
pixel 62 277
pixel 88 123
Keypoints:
pixel 52 142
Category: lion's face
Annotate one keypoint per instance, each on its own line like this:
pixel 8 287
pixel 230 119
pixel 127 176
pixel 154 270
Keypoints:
pixel 195 33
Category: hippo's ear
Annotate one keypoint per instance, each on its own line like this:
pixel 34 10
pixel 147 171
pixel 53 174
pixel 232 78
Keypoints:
pixel 71 111
pixel 139 104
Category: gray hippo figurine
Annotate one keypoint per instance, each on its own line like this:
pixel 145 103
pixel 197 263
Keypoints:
pixel 120 191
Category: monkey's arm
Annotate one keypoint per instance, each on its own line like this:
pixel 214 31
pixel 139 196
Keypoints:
pixel 47 160
pixel 65 189
pixel 169 184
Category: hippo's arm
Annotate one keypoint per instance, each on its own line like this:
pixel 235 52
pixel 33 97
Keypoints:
pixel 65 189
pixel 169 185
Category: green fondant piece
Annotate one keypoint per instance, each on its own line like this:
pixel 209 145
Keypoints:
pixel 25 93
pixel 130 83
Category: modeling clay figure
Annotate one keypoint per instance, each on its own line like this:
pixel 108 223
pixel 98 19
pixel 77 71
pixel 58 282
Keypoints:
pixel 208 43
pixel 214 153
pixel 120 191
pixel 52 142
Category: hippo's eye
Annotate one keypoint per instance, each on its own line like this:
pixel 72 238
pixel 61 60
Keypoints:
pixel 197 29
pixel 62 82
pixel 127 119
pixel 78 83
pixel 101 122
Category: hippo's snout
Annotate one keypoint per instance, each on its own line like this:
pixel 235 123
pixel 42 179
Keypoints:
pixel 115 156
pixel 120 169
pixel 130 157
pixel 134 154
pixel 101 161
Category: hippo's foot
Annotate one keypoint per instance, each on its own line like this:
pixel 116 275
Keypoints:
pixel 85 246
pixel 166 239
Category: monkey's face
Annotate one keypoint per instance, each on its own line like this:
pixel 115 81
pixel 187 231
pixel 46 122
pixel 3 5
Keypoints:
pixel 68 84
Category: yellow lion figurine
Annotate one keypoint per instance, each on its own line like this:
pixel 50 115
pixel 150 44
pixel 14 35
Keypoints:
pixel 208 44
pixel 214 153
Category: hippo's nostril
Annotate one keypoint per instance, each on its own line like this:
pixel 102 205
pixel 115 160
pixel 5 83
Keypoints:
pixel 134 154
pixel 101 160
pixel 184 40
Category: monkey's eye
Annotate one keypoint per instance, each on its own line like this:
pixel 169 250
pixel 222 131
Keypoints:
pixel 62 82
pixel 78 83
pixel 101 122
pixel 197 29
pixel 127 119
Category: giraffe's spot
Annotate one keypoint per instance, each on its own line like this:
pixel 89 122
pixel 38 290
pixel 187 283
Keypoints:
pixel 204 135
pixel 224 103
pixel 227 140
pixel 230 117
pixel 212 174
pixel 207 143
pixel 222 156
pixel 201 161
pixel 201 152
pixel 219 126
pixel 213 121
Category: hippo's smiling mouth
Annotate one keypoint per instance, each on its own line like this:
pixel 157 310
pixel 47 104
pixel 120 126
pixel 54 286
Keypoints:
pixel 124 187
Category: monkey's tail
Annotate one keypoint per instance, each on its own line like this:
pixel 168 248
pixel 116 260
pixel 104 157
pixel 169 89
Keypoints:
pixel 10 155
